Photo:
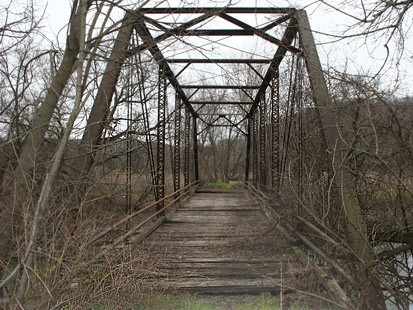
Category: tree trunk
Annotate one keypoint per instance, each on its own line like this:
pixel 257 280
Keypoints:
pixel 11 218
pixel 101 107
pixel 43 202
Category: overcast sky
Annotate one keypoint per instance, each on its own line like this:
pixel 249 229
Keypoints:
pixel 357 55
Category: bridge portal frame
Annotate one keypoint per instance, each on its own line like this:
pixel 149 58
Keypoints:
pixel 298 28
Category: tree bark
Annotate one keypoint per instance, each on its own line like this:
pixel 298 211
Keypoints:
pixel 11 218
pixel 43 202
pixel 101 107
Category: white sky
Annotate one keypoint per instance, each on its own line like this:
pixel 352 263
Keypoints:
pixel 357 55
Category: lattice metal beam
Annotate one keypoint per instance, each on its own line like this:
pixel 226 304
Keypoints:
pixel 275 131
pixel 158 56
pixel 160 169
pixel 263 142
pixel 287 40
pixel 195 147
pixel 177 145
pixel 255 146
pixel 187 145
pixel 248 151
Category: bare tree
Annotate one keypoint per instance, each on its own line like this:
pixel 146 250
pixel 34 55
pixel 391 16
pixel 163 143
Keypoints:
pixel 13 214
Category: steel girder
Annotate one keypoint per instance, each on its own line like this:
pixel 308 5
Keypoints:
pixel 248 151
pixel 255 147
pixel 275 131
pixel 263 141
pixel 160 169
pixel 187 145
pixel 177 145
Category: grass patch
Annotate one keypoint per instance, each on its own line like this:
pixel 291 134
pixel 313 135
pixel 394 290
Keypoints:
pixel 188 302
pixel 262 303
pixel 175 302
pixel 222 185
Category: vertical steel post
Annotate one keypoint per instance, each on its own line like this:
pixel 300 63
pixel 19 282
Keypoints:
pixel 195 147
pixel 255 146
pixel 160 169
pixel 248 150
pixel 177 145
pixel 187 139
pixel 364 260
pixel 275 132
pixel 263 140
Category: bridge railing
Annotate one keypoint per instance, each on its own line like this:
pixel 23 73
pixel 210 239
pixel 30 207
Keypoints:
pixel 144 219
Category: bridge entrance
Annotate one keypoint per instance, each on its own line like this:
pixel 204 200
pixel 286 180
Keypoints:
pixel 235 84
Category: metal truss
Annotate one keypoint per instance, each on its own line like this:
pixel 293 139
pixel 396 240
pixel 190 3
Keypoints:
pixel 145 20
pixel 275 131
pixel 263 117
pixel 195 147
pixel 160 169
pixel 263 141
pixel 248 151
pixel 177 145
pixel 255 147
pixel 187 145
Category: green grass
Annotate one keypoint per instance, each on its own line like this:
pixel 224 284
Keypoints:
pixel 222 185
pixel 172 302
pixel 262 303
pixel 187 302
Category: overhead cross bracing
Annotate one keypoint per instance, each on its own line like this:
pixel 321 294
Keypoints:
pixel 223 70
pixel 224 66
pixel 210 57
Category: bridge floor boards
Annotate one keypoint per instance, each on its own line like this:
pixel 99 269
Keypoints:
pixel 219 243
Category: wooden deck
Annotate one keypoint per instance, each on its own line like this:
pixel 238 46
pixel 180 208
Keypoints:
pixel 220 243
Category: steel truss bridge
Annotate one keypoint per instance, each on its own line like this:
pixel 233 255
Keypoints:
pixel 259 116
pixel 287 98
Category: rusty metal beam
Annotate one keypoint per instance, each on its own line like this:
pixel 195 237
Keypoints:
pixel 287 40
pixel 177 145
pixel 255 146
pixel 275 132
pixel 263 141
pixel 248 151
pixel 220 102
pixel 195 148
pixel 220 86
pixel 229 10
pixel 217 32
pixel 218 61
pixel 175 31
pixel 255 71
pixel 260 33
pixel 277 22
pixel 160 134
pixel 187 143
pixel 158 56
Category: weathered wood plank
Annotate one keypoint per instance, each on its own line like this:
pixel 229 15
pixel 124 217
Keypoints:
pixel 218 243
